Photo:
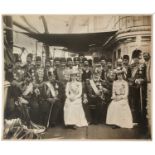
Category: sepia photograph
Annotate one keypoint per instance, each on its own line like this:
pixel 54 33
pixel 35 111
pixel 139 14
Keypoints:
pixel 77 77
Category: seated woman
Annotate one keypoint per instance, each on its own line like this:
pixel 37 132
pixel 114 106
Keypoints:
pixel 73 111
pixel 119 113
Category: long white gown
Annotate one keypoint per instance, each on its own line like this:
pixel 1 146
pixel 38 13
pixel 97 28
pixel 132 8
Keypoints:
pixel 119 112
pixel 73 109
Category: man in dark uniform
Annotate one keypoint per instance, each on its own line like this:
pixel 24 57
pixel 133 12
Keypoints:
pixel 96 95
pixel 147 63
pixel 104 68
pixel 37 80
pixel 15 91
pixel 46 69
pixel 29 66
pixel 126 67
pixel 137 97
pixel 9 72
pixel 50 100
pixel 87 73
pixel 96 98
pixel 61 71
pixel 109 67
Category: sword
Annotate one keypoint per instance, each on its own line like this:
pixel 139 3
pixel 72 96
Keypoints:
pixel 141 99
pixel 49 115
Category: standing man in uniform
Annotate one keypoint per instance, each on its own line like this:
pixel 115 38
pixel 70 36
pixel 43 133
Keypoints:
pixel 104 68
pixel 147 64
pixel 126 67
pixel 29 66
pixel 137 95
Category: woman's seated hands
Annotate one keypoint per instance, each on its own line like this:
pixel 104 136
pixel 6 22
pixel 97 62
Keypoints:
pixel 118 98
pixel 85 100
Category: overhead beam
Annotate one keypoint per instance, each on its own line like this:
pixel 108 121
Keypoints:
pixel 46 47
pixel 45 24
pixel 71 25
pixel 22 27
pixel 26 21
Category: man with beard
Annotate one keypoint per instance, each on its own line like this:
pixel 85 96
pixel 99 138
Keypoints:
pixel 96 98
pixel 137 97
pixel 50 100
pixel 87 73
pixel 147 64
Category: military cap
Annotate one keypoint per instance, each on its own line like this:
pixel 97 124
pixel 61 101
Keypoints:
pixel 126 57
pixel 69 59
pixel 76 59
pixel 56 59
pixel 109 60
pixel 30 55
pixel 48 60
pixel 84 59
pixel 103 58
pixel 96 59
pixel 90 62
pixel 63 59
pixel 81 54
pixel 38 58
pixel 17 58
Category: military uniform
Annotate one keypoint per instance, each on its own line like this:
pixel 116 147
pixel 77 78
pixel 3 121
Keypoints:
pixel 137 94
pixel 52 93
pixel 96 100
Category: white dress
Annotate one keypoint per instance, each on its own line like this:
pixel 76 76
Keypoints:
pixel 119 112
pixel 73 109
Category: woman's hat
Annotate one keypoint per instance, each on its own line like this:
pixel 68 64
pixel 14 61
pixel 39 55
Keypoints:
pixel 74 71
pixel 119 70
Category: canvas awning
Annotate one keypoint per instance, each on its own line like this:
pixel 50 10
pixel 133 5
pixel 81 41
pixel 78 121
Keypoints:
pixel 78 42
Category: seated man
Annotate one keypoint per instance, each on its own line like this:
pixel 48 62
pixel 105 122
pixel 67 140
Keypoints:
pixel 96 99
pixel 51 98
